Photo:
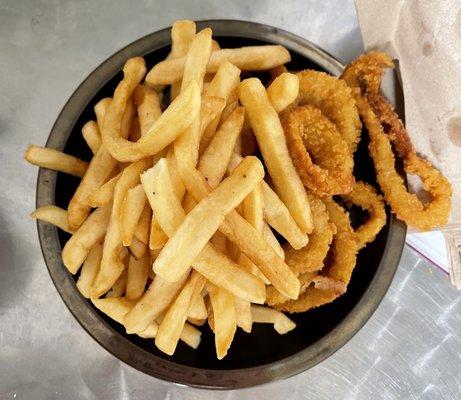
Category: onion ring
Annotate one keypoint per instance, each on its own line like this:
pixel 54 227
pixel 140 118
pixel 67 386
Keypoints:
pixel 307 261
pixel 335 100
pixel 319 153
pixel 363 75
pixel 342 260
pixel 365 196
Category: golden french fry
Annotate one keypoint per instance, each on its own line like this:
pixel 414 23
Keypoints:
pixel 224 319
pixel 137 248
pixel 203 221
pixel 213 162
pixel 272 142
pixel 130 212
pixel 89 270
pixel 149 107
pixel 100 110
pixel 243 314
pixel 251 58
pixel 45 157
pixel 90 232
pixel 54 215
pixel 153 302
pixel 270 238
pixel 104 194
pixel 279 217
pixel 157 237
pixel 189 335
pixel 224 82
pixel 136 279
pixel 118 289
pixel 90 133
pixel 99 171
pixel 228 110
pixel 197 322
pixel 182 35
pixel 177 117
pixel 282 324
pixel 142 230
pixel 172 324
pixel 253 208
pixel 198 309
pixel 250 241
pixel 194 71
pixel 283 91
pixel 212 264
pixel 179 188
pixel 111 265
pixel 115 307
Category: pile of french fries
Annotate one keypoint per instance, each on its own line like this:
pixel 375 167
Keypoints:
pixel 173 221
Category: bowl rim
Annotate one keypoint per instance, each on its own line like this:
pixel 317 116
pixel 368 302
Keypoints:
pixel 124 349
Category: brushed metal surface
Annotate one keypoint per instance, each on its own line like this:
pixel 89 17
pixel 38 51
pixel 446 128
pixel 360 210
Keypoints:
pixel 409 349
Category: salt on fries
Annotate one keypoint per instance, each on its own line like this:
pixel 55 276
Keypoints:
pixel 173 223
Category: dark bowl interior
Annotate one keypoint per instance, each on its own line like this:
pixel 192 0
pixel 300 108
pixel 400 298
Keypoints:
pixel 267 354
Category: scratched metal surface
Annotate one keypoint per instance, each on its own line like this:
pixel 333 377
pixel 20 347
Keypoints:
pixel 410 348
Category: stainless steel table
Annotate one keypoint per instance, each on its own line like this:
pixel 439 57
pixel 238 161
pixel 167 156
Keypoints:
pixel 410 348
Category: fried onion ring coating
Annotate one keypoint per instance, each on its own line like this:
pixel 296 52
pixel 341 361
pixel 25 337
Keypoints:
pixel 365 196
pixel 364 76
pixel 335 100
pixel 319 153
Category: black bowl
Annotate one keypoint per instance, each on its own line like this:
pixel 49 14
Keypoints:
pixel 254 358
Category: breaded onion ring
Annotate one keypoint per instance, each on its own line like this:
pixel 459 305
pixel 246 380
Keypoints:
pixel 335 100
pixel 306 262
pixel 319 153
pixel 342 260
pixel 365 196
pixel 363 75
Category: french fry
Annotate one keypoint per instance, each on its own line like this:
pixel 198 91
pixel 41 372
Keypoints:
pixel 279 217
pixel 197 322
pixel 56 160
pixel 174 120
pixel 115 307
pixel 118 289
pixel 251 58
pixel 130 212
pixel 250 241
pixel 89 270
pixel 228 110
pixel 54 215
pixel 157 237
pixel 282 324
pixel 100 109
pixel 104 194
pixel 99 171
pixel 212 264
pixel 118 307
pixel 224 319
pixel 136 279
pixel 172 324
pixel 111 265
pixel 224 82
pixel 272 142
pixel 198 309
pixel 283 91
pixel 272 240
pixel 194 71
pixel 137 248
pixel 243 314
pixel 153 302
pixel 142 230
pixel 203 221
pixel 189 335
pixel 213 162
pixel 253 208
pixel 148 103
pixel 182 35
pixel 90 232
pixel 90 133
